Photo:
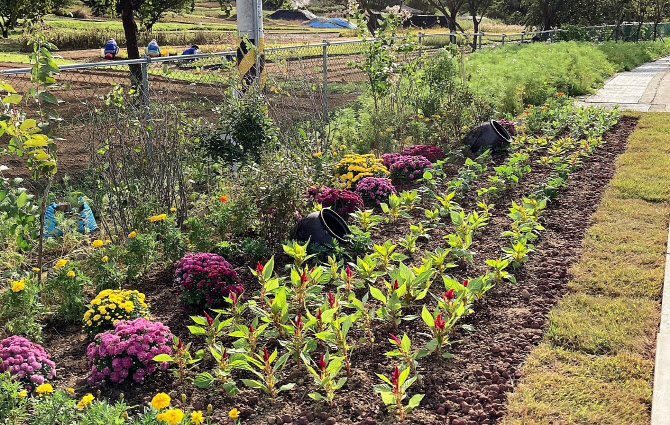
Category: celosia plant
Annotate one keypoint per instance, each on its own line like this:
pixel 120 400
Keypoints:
pixel 510 126
pixel 389 159
pixel 343 202
pixel 127 351
pixel 26 361
pixel 354 167
pixel 206 279
pixel 110 306
pixel 374 190
pixel 409 167
pixel 431 153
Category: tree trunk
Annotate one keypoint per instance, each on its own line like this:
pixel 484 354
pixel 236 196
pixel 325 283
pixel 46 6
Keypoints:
pixel 475 29
pixel 655 29
pixel 5 32
pixel 130 31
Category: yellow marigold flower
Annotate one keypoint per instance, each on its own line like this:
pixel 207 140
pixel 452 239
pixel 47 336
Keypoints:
pixel 160 401
pixel 105 259
pixel 96 317
pixel 171 416
pixel 70 273
pixel 23 393
pixel 108 317
pixel 87 315
pixel 196 417
pixel 44 388
pixel 18 285
pixel 132 234
pixel 89 323
pixel 173 209
pixel 60 263
pixel 103 310
pixel 36 270
pixel 112 306
pixel 97 243
pixel 85 401
pixel 69 390
pixel 421 116
pixel 159 217
pixel 234 413
pixel 107 241
pixel 343 146
pixel 317 154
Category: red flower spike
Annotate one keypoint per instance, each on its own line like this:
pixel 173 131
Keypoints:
pixel 233 298
pixel 298 321
pixel 318 314
pixel 395 285
pixel 311 270
pixel 395 339
pixel 322 364
pixel 180 345
pixel 224 355
pixel 395 377
pixel 331 300
pixel 210 321
pixel 251 329
pixel 449 295
pixel 266 355
pixel 303 276
pixel 465 283
pixel 439 322
pixel 259 267
pixel 348 272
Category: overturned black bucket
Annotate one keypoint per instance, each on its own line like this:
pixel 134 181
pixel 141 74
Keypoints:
pixel 321 227
pixel 488 135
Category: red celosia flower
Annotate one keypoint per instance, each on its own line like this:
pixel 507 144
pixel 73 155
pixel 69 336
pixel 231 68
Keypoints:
pixel 348 272
pixel 449 295
pixel 395 285
pixel 395 377
pixel 259 267
pixel 224 355
pixel 465 283
pixel 322 364
pixel 318 314
pixel 251 329
pixel 210 321
pixel 266 355
pixel 303 276
pixel 298 321
pixel 331 300
pixel 439 322
pixel 180 345
pixel 233 298
pixel 395 339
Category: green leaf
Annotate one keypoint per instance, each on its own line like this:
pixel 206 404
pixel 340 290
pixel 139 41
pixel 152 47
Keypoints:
pixel 287 387
pixel 427 317
pixel 196 330
pixel 203 380
pixel 199 320
pixel 12 99
pixel 415 401
pixel 315 396
pixel 163 358
pixel 252 383
pixel 377 294
pixel 22 199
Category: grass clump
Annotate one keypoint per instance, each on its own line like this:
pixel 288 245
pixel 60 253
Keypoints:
pixel 596 361
pixel 626 56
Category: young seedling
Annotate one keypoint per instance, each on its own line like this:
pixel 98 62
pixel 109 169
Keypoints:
pixel 440 328
pixel 326 377
pixel 237 307
pixel 266 367
pixel 498 274
pixel 386 253
pixel 363 315
pixel 440 260
pixel 212 328
pixel 518 253
pixel 334 267
pixel 298 252
pixel 394 391
pixel 392 307
pixel 248 335
pixel 337 335
pixel 447 204
pixel 366 267
pixel 299 344
pixel 409 243
pixel 413 283
pixel 403 349
pixel 394 209
pixel 367 220
pixel 410 198
pixel 225 363
pixel 433 216
pixel 181 357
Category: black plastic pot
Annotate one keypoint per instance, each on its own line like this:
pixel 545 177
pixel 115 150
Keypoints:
pixel 321 227
pixel 488 135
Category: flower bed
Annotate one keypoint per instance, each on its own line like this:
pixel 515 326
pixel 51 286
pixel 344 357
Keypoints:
pixel 206 279
pixel 26 361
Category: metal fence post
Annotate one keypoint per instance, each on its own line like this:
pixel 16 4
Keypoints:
pixel 325 80
pixel 145 102
pixel 503 39
pixel 481 35
pixel 420 43
pixel 523 34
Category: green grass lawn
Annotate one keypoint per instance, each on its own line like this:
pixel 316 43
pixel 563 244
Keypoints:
pixel 595 364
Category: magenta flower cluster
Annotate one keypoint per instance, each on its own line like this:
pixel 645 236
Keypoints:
pixel 510 126
pixel 374 190
pixel 343 202
pixel 206 279
pixel 409 167
pixel 127 351
pixel 389 159
pixel 26 361
pixel 431 153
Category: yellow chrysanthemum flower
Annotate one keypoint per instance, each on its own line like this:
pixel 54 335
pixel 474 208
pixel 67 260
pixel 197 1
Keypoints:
pixel 23 393
pixel 132 234
pixel 196 417
pixel 105 259
pixel 171 416
pixel 234 413
pixel 97 243
pixel 70 273
pixel 60 263
pixel 69 390
pixel 44 389
pixel 159 217
pixel 36 270
pixel 18 285
pixel 85 401
pixel 160 401
pixel 173 209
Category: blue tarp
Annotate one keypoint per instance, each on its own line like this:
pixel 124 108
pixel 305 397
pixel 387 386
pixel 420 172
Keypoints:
pixel 331 23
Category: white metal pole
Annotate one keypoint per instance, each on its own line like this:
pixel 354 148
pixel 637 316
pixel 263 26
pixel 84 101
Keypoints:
pixel 250 30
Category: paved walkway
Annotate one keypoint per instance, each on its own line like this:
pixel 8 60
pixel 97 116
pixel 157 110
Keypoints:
pixel 646 89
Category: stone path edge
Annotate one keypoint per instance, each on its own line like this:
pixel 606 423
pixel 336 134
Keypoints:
pixel 660 405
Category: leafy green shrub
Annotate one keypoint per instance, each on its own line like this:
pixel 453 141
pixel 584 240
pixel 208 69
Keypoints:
pixel 572 33
pixel 20 309
pixel 66 290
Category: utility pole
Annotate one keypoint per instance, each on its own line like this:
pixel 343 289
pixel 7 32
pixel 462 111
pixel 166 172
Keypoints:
pixel 250 59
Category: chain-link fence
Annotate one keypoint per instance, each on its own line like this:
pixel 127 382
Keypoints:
pixel 303 82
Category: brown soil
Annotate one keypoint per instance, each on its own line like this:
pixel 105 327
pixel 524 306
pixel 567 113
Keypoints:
pixel 469 389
